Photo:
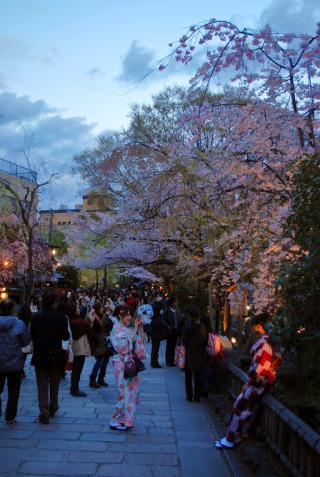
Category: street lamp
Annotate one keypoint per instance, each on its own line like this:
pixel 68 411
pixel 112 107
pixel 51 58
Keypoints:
pixel 6 263
pixel 3 294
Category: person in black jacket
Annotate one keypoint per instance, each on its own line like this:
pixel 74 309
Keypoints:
pixel 25 315
pixel 48 329
pixel 101 328
pixel 171 320
pixel 194 338
pixel 158 333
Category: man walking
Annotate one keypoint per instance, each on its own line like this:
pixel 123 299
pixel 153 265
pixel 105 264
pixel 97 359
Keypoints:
pixel 170 318
pixel 48 329
pixel 13 336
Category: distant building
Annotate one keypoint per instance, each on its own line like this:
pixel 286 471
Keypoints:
pixel 95 202
pixel 19 178
pixel 64 217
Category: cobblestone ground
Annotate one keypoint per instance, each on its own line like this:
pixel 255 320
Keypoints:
pixel 171 438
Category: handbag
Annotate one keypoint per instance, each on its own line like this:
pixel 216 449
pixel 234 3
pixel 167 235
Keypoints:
pixel 139 350
pixel 180 356
pixel 139 364
pixel 213 345
pixel 27 349
pixel 69 363
pixel 130 370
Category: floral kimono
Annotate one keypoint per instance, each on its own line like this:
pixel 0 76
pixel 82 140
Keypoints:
pixel 129 387
pixel 261 377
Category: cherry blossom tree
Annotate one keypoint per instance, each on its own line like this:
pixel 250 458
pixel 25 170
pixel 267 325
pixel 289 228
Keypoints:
pixel 278 128
pixel 14 252
pixel 201 180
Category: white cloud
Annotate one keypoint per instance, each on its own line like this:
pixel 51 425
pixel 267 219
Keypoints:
pixel 95 72
pixel 137 63
pixel 54 141
pixel 140 65
pixel 297 16
pixel 11 48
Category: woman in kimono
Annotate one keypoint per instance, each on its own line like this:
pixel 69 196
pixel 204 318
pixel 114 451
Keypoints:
pixel 260 380
pixel 123 338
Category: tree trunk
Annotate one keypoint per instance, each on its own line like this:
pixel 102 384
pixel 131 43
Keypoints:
pixel 97 278
pixel 105 278
pixel 30 285
pixel 226 316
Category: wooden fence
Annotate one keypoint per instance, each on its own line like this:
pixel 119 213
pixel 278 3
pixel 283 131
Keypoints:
pixel 296 444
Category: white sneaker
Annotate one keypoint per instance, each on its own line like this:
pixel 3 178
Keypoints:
pixel 115 426
pixel 223 444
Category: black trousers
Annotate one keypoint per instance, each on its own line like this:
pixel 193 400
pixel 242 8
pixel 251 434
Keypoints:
pixel 48 380
pixel 171 347
pixel 77 367
pixel 13 383
pixel 193 380
pixel 155 352
pixel 100 367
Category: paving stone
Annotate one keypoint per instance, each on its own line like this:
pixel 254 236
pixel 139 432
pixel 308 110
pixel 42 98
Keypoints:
pixel 162 412
pixel 146 447
pixel 122 470
pixel 8 468
pixel 59 419
pixel 14 433
pixel 33 454
pixel 103 436
pixel 164 471
pixel 80 427
pixel 171 438
pixel 31 426
pixel 75 413
pixel 152 459
pixel 161 431
pixel 72 445
pixel 197 436
pixel 96 457
pixel 139 430
pixel 49 468
pixel 70 436
pixel 18 443
pixel 154 418
pixel 151 439
pixel 90 420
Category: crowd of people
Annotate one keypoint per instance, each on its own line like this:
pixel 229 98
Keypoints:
pixel 62 333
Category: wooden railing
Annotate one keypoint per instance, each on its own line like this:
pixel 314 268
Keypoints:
pixel 295 443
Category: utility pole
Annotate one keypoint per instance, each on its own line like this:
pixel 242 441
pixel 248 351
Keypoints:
pixel 105 278
pixel 50 232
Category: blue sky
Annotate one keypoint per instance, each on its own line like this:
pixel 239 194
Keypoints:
pixel 67 67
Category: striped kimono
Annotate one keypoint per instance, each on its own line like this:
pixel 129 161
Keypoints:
pixel 261 378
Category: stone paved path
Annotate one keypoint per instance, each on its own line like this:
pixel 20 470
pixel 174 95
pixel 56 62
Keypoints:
pixel 171 438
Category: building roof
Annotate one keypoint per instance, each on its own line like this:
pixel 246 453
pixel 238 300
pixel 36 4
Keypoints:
pixel 58 211
pixel 18 171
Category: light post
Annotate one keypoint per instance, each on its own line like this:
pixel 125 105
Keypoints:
pixel 3 291
pixel 3 294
